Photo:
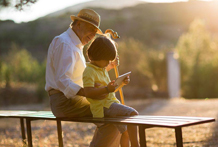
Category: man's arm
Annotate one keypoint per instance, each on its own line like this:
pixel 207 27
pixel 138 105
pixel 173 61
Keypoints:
pixel 81 92
pixel 99 93
pixel 95 93
pixel 64 65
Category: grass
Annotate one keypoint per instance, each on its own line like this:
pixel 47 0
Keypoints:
pixel 80 134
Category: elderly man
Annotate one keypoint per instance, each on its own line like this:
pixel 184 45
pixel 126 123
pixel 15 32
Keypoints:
pixel 65 65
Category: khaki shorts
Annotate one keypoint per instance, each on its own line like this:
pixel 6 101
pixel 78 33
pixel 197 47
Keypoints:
pixel 105 136
pixel 61 106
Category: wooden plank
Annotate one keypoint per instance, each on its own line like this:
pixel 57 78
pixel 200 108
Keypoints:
pixel 143 121
pixel 14 112
pixel 170 124
pixel 156 121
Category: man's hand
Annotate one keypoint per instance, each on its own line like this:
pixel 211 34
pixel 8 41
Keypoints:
pixel 113 64
pixel 90 90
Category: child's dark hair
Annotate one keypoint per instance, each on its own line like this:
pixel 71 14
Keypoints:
pixel 102 48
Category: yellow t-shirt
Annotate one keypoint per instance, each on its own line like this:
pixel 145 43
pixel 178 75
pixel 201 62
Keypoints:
pixel 92 75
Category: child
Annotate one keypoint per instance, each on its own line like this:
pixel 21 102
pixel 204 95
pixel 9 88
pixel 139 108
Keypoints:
pixel 103 102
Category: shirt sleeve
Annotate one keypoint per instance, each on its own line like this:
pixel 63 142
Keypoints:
pixel 88 78
pixel 64 65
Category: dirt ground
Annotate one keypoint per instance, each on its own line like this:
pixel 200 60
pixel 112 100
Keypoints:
pixel 80 134
pixel 204 135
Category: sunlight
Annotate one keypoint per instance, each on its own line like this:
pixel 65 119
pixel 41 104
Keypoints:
pixel 163 1
pixel 42 8
pixel 39 9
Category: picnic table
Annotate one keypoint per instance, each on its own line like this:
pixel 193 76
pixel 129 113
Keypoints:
pixel 142 121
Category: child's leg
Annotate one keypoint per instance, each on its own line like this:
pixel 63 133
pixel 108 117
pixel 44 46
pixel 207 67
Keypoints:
pixel 124 141
pixel 133 132
pixel 123 110
pixel 133 135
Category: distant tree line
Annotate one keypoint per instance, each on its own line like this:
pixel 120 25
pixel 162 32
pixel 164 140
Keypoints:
pixel 19 66
pixel 198 51
pixel 156 26
pixel 198 57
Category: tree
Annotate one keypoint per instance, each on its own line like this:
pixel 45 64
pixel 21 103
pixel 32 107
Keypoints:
pixel 153 65
pixel 19 5
pixel 198 53
pixel 24 68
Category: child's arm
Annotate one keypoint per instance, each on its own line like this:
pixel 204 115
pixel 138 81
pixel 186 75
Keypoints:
pixel 99 93
pixel 113 64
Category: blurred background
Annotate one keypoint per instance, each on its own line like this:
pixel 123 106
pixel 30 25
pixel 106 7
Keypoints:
pixel 149 31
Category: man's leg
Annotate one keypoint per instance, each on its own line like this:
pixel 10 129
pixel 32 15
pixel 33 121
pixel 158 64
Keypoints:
pixel 64 107
pixel 106 136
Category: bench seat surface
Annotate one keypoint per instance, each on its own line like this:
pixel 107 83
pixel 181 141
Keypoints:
pixel 149 121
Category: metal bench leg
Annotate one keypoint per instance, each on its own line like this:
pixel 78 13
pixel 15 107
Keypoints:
pixel 23 131
pixel 29 132
pixel 142 136
pixel 179 142
pixel 59 129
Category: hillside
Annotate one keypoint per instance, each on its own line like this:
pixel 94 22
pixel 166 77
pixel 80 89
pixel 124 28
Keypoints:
pixel 156 25
pixel 106 4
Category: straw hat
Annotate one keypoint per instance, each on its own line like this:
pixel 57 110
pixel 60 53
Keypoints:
pixel 89 16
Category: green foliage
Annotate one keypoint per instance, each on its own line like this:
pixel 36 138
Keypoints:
pixel 3 70
pixel 153 65
pixel 41 93
pixel 20 67
pixel 19 4
pixel 8 78
pixel 130 52
pixel 154 24
pixel 198 53
pixel 1 75
pixel 24 68
pixel 148 67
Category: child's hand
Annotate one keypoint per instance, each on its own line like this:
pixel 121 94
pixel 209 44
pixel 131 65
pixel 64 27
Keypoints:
pixel 115 62
pixel 126 80
pixel 112 86
pixel 97 85
pixel 112 64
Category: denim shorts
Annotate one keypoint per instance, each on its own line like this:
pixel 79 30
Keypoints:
pixel 119 110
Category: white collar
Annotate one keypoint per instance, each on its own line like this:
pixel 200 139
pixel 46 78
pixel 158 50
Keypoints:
pixel 74 38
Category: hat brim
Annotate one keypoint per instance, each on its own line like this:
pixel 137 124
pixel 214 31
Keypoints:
pixel 73 17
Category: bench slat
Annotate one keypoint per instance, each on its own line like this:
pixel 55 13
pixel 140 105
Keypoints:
pixel 155 121
pixel 143 121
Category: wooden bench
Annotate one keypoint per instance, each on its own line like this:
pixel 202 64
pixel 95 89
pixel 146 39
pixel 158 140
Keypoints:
pixel 142 121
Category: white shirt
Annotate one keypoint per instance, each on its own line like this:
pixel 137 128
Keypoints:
pixel 65 64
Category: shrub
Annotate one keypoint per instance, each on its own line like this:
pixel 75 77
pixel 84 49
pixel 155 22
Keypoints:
pixel 198 53
pixel 20 67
